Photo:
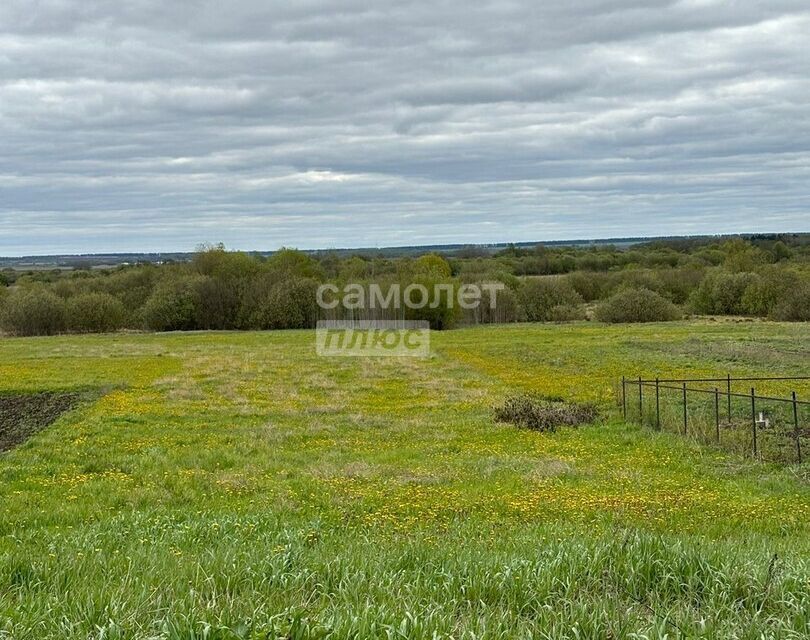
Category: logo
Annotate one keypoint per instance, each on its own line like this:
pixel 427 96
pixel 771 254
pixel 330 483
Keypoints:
pixel 373 338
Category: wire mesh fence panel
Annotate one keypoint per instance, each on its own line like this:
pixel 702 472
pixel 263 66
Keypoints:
pixel 765 427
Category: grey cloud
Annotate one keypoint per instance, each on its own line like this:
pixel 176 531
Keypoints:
pixel 153 125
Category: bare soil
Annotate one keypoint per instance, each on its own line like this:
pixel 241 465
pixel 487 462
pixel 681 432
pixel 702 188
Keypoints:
pixel 23 415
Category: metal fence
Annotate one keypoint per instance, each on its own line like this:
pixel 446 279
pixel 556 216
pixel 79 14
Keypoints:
pixel 766 426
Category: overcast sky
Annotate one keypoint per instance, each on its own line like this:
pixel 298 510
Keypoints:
pixel 153 125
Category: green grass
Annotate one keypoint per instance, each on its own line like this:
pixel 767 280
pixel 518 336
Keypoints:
pixel 235 485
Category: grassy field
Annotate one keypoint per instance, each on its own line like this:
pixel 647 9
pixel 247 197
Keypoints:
pixel 235 485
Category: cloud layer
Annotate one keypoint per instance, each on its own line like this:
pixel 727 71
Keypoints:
pixel 149 125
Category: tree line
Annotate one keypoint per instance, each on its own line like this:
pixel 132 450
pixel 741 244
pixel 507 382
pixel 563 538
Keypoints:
pixel 765 277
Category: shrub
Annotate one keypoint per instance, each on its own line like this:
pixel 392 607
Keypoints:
pixel 678 284
pixel 539 296
pixel 637 305
pixel 590 285
pixel 539 414
pixel 441 309
pixel 354 269
pixel 95 313
pixel 215 261
pixel 286 304
pixel 674 284
pixel 432 266
pixel 288 263
pixel 566 313
pixel 33 312
pixel 132 286
pixel 173 305
pixel 505 307
pixel 794 307
pixel 741 256
pixel 638 279
pixel 774 286
pixel 217 303
pixel 722 292
pixel 780 251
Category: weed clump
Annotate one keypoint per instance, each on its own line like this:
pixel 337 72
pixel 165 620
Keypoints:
pixel 541 414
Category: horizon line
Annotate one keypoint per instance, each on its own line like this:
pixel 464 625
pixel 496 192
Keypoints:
pixel 452 245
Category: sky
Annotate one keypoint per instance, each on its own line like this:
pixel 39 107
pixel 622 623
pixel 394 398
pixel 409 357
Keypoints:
pixel 149 125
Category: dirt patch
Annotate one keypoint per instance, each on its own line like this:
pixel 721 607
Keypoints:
pixel 23 415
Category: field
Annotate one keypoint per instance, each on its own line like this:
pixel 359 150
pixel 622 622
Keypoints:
pixel 235 485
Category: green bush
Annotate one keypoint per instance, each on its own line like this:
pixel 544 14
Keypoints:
pixel 432 266
pixel 217 303
pixel 780 251
pixel 721 293
pixel 215 261
pixel 173 305
pixel 33 312
pixel 741 256
pixel 505 307
pixel 637 305
pixel 566 313
pixel 638 279
pixel 591 285
pixel 291 263
pixel 441 310
pixel 539 296
pixel 773 286
pixel 95 313
pixel 354 269
pixel 676 285
pixel 286 304
pixel 794 306
pixel 132 286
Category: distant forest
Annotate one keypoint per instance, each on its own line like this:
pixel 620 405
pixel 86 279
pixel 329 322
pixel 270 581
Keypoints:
pixel 759 276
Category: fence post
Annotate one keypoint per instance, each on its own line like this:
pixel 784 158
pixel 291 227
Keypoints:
pixel 717 414
pixel 624 400
pixel 684 408
pixel 754 420
pixel 640 403
pixel 657 407
pixel 728 391
pixel 796 429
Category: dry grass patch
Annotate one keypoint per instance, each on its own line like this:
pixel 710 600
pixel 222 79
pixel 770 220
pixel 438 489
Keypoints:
pixel 540 414
pixel 551 468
